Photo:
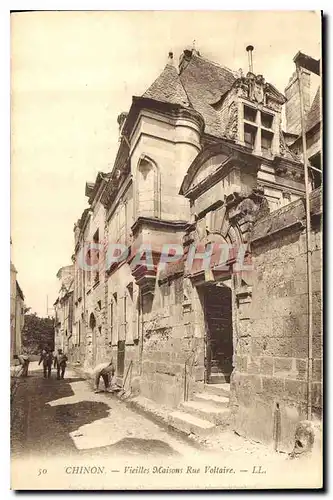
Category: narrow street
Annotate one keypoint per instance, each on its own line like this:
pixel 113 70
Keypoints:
pixel 66 417
pixel 61 430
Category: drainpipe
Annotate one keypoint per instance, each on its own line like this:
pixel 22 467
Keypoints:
pixel 308 246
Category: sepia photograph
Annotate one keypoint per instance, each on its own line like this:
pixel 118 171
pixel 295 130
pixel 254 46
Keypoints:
pixel 166 322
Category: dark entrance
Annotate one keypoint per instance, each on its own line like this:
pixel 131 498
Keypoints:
pixel 218 319
pixel 121 358
pixel 92 324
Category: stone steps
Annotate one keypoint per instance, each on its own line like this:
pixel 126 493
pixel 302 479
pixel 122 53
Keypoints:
pixel 190 424
pixel 217 389
pixel 219 378
pixel 206 411
pixel 213 399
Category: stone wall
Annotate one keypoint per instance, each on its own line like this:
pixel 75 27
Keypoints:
pixel 293 113
pixel 170 344
pixel 269 383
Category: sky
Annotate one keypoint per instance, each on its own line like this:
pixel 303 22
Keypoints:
pixel 72 73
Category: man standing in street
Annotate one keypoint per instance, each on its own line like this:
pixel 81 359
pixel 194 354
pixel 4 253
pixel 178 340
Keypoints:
pixel 104 370
pixel 46 357
pixel 60 363
pixel 24 362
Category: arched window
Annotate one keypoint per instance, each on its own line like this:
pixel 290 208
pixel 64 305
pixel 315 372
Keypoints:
pixel 148 189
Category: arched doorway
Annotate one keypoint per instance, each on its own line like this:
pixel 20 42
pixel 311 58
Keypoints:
pixel 92 326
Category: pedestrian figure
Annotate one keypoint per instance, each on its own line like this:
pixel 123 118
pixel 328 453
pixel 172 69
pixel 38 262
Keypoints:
pixel 60 363
pixel 103 370
pixel 24 362
pixel 46 358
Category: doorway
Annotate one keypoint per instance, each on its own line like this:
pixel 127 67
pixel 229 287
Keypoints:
pixel 92 325
pixel 121 358
pixel 219 336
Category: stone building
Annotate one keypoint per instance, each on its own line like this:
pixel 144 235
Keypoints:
pixel 218 335
pixel 16 313
pixel 63 309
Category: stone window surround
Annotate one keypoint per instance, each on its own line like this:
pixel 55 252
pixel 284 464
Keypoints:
pixel 274 130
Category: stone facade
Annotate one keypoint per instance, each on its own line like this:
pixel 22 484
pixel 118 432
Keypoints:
pixel 63 308
pixel 16 313
pixel 203 164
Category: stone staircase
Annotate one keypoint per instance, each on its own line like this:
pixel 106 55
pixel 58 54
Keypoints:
pixel 206 412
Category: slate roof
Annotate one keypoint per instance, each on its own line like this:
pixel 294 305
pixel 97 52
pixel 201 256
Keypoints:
pixel 314 114
pixel 205 82
pixel 168 88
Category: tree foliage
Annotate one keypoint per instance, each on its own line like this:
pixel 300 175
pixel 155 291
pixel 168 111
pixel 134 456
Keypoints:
pixel 37 333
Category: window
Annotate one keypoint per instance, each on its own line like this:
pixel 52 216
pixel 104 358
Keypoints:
pixel 249 135
pixel 258 135
pixel 149 188
pixel 111 320
pixel 266 141
pixel 266 120
pixel 113 312
pixel 125 315
pixel 96 255
pixel 250 114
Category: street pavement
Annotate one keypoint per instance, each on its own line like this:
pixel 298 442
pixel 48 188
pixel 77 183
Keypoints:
pixel 59 427
pixel 66 417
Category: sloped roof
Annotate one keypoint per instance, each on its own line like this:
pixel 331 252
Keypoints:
pixel 168 88
pixel 19 290
pixel 314 114
pixel 205 82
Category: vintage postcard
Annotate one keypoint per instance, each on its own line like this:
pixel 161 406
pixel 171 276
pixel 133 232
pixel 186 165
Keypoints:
pixel 166 250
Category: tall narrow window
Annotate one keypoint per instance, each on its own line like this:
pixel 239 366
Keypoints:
pixel 96 256
pixel 111 321
pixel 149 188
pixel 125 315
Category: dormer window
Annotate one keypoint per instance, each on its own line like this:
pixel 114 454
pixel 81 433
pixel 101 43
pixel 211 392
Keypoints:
pixel 258 130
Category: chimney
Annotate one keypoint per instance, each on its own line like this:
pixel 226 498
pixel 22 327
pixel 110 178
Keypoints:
pixel 170 58
pixel 293 114
pixel 249 50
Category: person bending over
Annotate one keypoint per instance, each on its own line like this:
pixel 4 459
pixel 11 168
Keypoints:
pixel 106 371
